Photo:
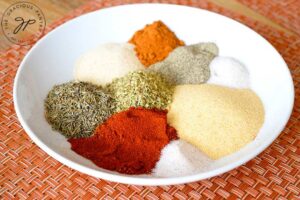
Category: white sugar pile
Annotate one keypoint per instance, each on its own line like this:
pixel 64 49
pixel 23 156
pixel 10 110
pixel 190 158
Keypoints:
pixel 228 72
pixel 106 62
pixel 180 158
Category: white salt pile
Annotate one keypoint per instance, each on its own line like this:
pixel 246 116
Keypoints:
pixel 228 72
pixel 180 158
pixel 106 62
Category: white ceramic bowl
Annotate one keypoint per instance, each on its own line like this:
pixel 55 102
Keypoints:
pixel 51 62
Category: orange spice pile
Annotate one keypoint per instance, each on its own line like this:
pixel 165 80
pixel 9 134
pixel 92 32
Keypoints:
pixel 154 43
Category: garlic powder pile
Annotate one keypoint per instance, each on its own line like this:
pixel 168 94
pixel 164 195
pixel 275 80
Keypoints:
pixel 216 119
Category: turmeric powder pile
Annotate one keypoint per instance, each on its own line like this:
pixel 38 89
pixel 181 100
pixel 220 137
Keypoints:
pixel 154 43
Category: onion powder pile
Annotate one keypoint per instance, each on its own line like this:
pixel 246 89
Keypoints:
pixel 106 62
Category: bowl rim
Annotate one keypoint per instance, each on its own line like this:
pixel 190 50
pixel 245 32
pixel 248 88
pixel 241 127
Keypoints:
pixel 146 181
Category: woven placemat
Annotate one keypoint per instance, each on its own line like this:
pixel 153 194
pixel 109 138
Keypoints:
pixel 28 172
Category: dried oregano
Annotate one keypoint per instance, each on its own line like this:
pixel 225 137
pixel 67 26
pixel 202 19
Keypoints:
pixel 76 108
pixel 141 89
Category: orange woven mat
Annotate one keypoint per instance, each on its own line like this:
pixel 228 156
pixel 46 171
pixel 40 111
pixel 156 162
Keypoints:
pixel 28 172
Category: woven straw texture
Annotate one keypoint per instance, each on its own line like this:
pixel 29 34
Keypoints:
pixel 28 172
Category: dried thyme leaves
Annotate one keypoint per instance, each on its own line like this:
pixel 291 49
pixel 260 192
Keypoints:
pixel 141 89
pixel 76 108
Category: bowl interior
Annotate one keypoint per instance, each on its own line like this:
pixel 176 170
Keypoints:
pixel 51 62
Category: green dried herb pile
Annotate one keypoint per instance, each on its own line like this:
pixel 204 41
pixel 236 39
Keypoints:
pixel 76 108
pixel 141 89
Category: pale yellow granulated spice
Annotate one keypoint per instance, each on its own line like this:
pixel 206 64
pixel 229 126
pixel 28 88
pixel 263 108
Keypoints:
pixel 216 119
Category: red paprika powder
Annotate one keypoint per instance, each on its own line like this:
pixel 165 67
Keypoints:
pixel 129 142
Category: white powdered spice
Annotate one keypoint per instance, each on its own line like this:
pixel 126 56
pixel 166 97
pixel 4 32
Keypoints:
pixel 180 158
pixel 187 64
pixel 229 72
pixel 106 62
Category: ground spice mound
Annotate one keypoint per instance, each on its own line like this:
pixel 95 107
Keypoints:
pixel 216 119
pixel 128 142
pixel 154 43
pixel 140 89
pixel 106 62
pixel 187 64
